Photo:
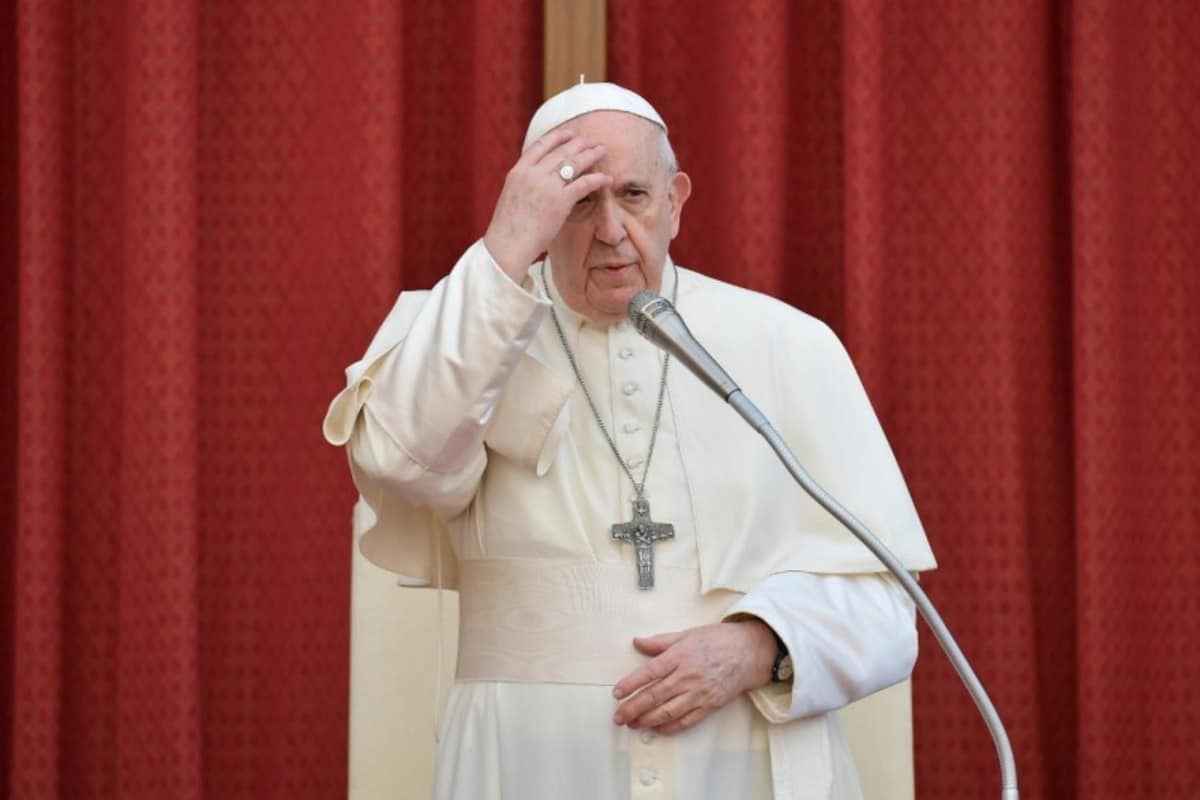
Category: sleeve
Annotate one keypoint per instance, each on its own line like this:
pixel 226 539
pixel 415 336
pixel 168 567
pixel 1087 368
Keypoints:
pixel 417 407
pixel 849 636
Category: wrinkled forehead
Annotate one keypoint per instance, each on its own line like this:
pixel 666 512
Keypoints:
pixel 633 147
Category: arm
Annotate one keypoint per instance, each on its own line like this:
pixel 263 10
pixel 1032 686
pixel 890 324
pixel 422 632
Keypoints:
pixel 415 417
pixel 849 635
pixel 427 401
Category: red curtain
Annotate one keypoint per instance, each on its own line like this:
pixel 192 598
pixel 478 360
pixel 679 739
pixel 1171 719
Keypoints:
pixel 209 206
pixel 996 206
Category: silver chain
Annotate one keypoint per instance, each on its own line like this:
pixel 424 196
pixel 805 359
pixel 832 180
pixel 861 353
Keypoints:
pixel 638 488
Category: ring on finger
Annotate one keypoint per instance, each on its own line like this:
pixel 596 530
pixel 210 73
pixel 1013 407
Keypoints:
pixel 566 172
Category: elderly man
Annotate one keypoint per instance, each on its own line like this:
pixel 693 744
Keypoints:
pixel 649 607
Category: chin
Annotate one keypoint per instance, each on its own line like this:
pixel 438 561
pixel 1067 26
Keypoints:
pixel 620 299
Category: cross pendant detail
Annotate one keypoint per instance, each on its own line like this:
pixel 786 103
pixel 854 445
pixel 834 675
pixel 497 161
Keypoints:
pixel 643 532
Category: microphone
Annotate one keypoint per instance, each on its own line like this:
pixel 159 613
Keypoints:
pixel 656 319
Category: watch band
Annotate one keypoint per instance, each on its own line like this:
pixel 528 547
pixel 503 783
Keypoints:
pixel 781 670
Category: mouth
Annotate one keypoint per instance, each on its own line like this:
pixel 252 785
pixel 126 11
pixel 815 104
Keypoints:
pixel 616 267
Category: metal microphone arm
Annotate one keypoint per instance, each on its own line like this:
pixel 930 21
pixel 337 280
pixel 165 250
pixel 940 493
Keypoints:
pixel 656 319
pixel 1008 765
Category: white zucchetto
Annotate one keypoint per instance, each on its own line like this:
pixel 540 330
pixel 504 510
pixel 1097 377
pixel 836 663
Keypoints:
pixel 583 98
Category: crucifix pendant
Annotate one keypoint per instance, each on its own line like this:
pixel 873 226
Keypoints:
pixel 643 532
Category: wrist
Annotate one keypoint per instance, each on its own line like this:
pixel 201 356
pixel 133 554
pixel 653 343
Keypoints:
pixel 510 262
pixel 763 649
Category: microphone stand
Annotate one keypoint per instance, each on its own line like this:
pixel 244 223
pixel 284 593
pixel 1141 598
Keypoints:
pixel 758 421
pixel 657 320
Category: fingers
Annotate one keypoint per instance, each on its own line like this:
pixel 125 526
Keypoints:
pixel 651 703
pixel 672 711
pixel 654 670
pixel 548 155
pixel 582 160
pixel 689 720
pixel 585 184
pixel 690 674
pixel 654 645
pixel 578 151
pixel 538 150
pixel 553 149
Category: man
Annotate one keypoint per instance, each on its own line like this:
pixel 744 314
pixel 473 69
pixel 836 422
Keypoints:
pixel 649 606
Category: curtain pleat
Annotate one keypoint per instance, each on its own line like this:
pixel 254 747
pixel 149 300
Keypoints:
pixel 1135 190
pixel 45 246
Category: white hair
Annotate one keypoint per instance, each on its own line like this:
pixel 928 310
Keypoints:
pixel 667 153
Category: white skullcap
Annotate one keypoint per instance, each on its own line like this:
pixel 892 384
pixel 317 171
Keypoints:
pixel 583 98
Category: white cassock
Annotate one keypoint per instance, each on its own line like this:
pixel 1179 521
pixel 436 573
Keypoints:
pixel 484 469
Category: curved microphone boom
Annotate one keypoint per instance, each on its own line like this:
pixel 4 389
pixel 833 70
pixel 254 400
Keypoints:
pixel 657 320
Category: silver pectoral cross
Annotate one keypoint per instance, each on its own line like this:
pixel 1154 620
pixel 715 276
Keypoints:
pixel 643 532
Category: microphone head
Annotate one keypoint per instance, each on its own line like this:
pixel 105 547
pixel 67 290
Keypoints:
pixel 639 301
pixel 644 307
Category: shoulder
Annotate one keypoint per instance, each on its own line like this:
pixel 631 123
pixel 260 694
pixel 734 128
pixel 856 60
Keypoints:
pixel 744 313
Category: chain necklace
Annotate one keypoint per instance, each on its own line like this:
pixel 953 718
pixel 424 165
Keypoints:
pixel 641 531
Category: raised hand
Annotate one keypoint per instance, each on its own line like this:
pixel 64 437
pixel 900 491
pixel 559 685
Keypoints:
pixel 536 199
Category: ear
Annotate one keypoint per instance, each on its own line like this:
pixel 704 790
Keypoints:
pixel 678 193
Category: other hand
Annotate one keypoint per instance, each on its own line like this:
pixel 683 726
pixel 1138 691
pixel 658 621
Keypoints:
pixel 693 673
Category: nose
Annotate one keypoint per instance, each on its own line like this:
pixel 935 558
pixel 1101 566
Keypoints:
pixel 610 225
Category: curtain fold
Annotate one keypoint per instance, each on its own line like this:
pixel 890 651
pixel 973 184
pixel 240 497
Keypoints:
pixel 44 249
pixel 1135 189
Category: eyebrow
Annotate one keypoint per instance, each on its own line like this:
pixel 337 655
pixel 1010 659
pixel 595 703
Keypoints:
pixel 635 183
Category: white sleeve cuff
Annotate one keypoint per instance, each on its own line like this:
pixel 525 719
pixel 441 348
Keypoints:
pixel 848 635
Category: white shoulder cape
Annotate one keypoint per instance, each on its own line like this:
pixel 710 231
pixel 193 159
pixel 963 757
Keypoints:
pixel 752 520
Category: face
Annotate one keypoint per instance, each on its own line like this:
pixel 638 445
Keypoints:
pixel 614 242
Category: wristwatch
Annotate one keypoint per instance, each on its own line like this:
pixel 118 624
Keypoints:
pixel 781 670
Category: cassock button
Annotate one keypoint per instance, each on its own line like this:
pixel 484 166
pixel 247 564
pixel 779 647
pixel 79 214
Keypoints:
pixel 647 776
pixel 647 737
pixel 625 353
pixel 630 389
pixel 631 427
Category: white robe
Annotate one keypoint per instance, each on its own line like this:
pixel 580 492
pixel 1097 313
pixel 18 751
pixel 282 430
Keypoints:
pixel 465 405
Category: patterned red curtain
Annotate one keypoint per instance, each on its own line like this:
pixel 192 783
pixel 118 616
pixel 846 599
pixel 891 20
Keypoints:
pixel 994 203
pixel 207 208
pixel 996 206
